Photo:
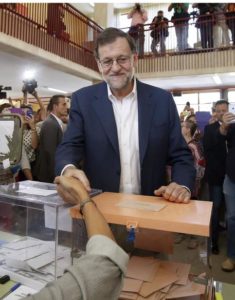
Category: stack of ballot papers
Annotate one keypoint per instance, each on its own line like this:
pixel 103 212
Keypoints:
pixel 31 259
pixel 150 279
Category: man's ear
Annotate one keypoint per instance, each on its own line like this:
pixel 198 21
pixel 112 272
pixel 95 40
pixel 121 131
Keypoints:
pixel 99 65
pixel 135 59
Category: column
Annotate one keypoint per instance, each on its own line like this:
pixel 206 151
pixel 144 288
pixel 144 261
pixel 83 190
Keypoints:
pixel 103 14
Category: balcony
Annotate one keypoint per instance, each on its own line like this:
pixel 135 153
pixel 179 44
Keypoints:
pixel 54 27
pixel 195 58
pixel 60 29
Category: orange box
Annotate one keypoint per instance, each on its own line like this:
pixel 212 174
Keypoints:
pixel 192 218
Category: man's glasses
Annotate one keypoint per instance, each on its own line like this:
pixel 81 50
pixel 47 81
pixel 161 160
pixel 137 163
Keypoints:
pixel 121 60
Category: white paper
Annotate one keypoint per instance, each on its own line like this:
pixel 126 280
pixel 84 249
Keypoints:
pixel 36 191
pixel 141 205
pixel 42 260
pixel 22 244
pixel 64 218
pixel 6 163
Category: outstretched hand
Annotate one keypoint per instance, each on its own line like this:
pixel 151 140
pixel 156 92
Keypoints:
pixel 71 189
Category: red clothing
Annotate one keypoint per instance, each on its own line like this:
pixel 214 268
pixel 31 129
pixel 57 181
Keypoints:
pixel 199 163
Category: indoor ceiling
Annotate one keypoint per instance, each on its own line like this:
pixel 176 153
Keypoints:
pixel 13 68
pixel 88 8
pixel 12 74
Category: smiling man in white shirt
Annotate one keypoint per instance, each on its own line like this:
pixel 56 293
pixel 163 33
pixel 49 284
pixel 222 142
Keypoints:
pixel 125 132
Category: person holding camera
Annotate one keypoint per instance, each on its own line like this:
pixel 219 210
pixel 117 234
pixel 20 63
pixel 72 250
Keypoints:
pixel 139 16
pixel 159 33
pixel 180 20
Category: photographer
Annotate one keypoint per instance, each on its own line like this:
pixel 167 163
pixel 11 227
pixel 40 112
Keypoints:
pixel 139 17
pixel 29 87
pixel 180 20
pixel 31 131
pixel 159 33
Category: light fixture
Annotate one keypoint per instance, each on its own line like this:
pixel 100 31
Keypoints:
pixel 29 74
pixel 56 90
pixel 217 79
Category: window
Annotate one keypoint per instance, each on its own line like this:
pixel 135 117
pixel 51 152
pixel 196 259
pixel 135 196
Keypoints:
pixel 231 96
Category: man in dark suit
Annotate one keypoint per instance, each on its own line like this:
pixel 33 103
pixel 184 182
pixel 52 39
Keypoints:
pixel 125 132
pixel 50 136
pixel 215 152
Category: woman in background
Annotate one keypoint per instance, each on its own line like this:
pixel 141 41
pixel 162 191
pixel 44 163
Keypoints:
pixel 138 17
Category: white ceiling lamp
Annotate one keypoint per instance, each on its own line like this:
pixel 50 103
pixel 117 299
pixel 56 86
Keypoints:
pixel 57 91
pixel 217 79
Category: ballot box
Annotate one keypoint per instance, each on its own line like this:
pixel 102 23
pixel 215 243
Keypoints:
pixel 35 233
pixel 150 223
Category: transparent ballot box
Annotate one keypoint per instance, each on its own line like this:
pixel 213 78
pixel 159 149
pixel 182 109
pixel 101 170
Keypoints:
pixel 35 233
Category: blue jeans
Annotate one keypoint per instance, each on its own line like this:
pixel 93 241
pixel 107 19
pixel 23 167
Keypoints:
pixel 229 193
pixel 181 31
pixel 216 196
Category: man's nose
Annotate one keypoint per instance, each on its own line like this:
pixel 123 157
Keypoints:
pixel 115 65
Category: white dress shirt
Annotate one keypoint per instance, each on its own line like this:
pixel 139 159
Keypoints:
pixel 126 117
pixel 60 122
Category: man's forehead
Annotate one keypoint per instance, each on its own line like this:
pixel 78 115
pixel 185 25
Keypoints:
pixel 61 100
pixel 221 106
pixel 118 43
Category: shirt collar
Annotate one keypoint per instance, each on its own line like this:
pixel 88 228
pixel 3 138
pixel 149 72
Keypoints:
pixel 57 119
pixel 132 93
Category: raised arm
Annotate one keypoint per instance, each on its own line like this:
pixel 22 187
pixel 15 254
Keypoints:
pixel 41 105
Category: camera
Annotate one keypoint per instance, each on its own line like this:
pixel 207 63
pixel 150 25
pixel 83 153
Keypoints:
pixel 29 86
pixel 3 95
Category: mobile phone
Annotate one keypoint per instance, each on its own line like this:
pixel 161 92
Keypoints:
pixel 231 109
pixel 29 113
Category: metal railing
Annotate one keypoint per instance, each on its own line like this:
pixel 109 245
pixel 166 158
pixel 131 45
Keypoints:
pixel 55 27
pixel 205 44
pixel 62 30
pixel 197 34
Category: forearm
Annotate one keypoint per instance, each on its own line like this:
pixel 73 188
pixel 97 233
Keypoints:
pixel 42 108
pixel 223 129
pixel 34 138
pixel 28 174
pixel 100 226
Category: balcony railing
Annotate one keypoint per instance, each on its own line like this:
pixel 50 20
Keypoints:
pixel 55 27
pixel 62 30
pixel 200 44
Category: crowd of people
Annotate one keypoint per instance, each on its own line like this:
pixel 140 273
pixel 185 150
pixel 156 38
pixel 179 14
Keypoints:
pixel 213 153
pixel 42 132
pixel 209 18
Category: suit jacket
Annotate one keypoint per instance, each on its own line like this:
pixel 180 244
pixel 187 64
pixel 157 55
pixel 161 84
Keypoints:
pixel 50 136
pixel 92 135
pixel 215 152
pixel 230 163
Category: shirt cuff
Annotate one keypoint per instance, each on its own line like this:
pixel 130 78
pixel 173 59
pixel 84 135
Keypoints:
pixel 69 165
pixel 186 189
pixel 102 245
